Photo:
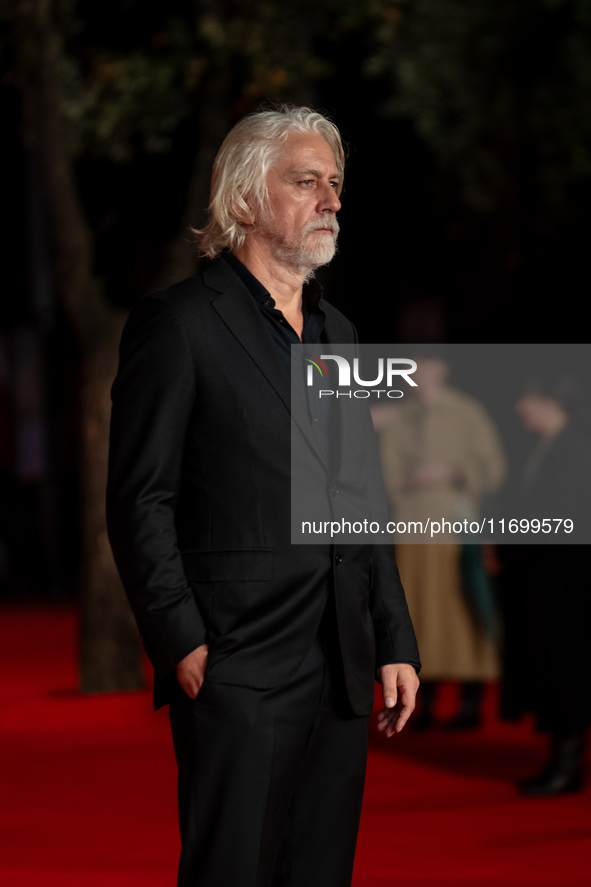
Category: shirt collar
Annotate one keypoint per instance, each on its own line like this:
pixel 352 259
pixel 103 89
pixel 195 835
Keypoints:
pixel 312 292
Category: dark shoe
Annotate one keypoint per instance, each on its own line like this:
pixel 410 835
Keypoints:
pixel 422 721
pixel 468 716
pixel 548 784
pixel 465 720
pixel 563 775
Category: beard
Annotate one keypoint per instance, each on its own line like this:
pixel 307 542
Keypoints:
pixel 309 251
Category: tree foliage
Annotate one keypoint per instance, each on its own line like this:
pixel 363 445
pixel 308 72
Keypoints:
pixel 499 90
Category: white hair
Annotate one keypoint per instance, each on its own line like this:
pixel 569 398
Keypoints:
pixel 241 166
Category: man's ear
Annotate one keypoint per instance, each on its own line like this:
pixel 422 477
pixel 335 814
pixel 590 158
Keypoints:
pixel 243 212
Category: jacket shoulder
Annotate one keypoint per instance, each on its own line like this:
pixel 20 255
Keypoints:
pixel 214 277
pixel 165 319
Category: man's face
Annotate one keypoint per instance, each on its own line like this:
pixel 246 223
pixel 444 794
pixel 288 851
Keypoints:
pixel 299 227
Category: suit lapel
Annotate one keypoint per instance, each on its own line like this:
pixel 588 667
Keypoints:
pixel 339 331
pixel 237 309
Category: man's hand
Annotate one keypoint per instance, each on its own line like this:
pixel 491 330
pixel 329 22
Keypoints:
pixel 399 689
pixel 191 670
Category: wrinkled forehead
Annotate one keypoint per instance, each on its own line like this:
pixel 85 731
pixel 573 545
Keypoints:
pixel 307 154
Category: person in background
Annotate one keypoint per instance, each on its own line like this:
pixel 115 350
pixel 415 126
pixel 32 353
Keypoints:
pixel 546 590
pixel 440 456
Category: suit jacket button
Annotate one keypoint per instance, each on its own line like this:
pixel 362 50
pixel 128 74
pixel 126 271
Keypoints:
pixel 335 490
pixel 338 559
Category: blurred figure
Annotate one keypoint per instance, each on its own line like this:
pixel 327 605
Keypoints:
pixel 545 589
pixel 440 455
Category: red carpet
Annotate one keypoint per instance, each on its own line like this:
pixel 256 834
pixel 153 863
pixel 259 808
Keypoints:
pixel 88 789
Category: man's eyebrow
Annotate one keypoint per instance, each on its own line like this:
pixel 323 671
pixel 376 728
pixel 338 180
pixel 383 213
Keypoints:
pixel 313 172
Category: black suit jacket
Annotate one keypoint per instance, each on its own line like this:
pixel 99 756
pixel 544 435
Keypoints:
pixel 198 502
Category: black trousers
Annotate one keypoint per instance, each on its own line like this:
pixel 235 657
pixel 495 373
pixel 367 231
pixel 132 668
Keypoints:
pixel 270 781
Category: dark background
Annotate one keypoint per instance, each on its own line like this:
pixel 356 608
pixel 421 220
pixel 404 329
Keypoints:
pixel 465 212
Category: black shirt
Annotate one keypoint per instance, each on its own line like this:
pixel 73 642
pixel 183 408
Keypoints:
pixel 283 333
pixel 285 336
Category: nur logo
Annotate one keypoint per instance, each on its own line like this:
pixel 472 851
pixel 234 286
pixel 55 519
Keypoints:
pixel 386 371
pixel 314 363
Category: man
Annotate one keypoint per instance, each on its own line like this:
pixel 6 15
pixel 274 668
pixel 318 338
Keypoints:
pixel 265 651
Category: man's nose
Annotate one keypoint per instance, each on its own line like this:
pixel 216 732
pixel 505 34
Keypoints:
pixel 329 200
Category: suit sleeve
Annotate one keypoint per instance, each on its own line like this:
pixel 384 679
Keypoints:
pixel 153 399
pixel 393 629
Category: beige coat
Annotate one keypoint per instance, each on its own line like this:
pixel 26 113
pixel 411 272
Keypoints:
pixel 454 435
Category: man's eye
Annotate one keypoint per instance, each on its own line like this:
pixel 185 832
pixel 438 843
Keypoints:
pixel 334 186
pixel 307 182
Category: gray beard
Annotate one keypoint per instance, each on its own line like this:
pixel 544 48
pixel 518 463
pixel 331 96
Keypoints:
pixel 307 256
